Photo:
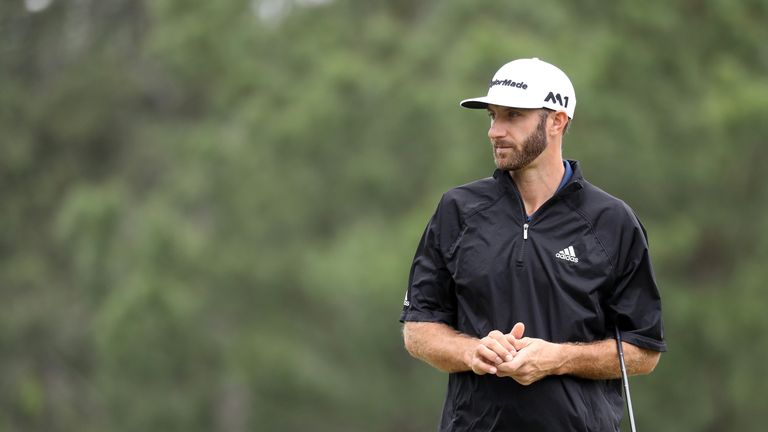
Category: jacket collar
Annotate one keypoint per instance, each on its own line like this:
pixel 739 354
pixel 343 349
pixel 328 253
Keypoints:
pixel 573 185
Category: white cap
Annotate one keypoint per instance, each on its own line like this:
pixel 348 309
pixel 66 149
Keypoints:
pixel 528 83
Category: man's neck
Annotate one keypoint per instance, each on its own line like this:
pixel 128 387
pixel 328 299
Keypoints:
pixel 538 182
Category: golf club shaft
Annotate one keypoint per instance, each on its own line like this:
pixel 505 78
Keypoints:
pixel 626 381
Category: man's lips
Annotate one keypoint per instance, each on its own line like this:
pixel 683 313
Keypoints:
pixel 499 145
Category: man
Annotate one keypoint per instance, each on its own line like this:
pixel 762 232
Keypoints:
pixel 520 279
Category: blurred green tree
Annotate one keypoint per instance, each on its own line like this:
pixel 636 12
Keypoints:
pixel 211 208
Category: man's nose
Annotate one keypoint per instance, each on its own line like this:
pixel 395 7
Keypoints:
pixel 496 130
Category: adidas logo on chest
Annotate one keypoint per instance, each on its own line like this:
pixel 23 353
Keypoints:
pixel 567 254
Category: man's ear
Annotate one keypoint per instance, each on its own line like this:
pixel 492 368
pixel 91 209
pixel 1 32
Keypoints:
pixel 559 121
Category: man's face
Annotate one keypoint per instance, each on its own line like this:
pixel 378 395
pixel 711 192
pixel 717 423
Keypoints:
pixel 518 136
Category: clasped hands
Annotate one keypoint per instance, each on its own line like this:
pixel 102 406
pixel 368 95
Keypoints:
pixel 524 359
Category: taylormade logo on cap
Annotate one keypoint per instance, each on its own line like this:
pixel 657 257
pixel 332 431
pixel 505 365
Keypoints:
pixel 510 83
pixel 528 83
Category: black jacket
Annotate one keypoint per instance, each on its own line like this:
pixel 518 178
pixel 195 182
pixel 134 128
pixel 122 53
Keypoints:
pixel 575 270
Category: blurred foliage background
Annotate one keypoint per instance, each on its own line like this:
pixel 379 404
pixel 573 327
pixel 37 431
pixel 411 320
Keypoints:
pixel 209 209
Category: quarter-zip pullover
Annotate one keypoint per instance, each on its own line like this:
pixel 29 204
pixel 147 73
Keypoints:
pixel 577 268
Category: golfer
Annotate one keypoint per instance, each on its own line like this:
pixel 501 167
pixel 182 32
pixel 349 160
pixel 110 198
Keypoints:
pixel 520 279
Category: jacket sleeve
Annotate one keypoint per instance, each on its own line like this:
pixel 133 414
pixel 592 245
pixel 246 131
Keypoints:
pixel 634 303
pixel 431 291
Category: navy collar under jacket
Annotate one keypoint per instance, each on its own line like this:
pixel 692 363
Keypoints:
pixel 508 185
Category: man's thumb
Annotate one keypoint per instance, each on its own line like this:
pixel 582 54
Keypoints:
pixel 518 330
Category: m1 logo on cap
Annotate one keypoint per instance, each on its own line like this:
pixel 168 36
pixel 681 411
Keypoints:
pixel 556 98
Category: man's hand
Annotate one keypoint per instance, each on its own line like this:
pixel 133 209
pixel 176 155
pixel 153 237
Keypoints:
pixel 494 350
pixel 534 360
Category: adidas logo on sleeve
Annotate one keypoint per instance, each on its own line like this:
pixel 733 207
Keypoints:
pixel 567 254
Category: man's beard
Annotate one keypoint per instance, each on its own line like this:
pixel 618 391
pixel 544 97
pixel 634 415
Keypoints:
pixel 532 147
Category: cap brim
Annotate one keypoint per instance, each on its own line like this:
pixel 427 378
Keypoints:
pixel 484 101
pixel 475 103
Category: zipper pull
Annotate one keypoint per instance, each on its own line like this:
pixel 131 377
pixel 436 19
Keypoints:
pixel 525 231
